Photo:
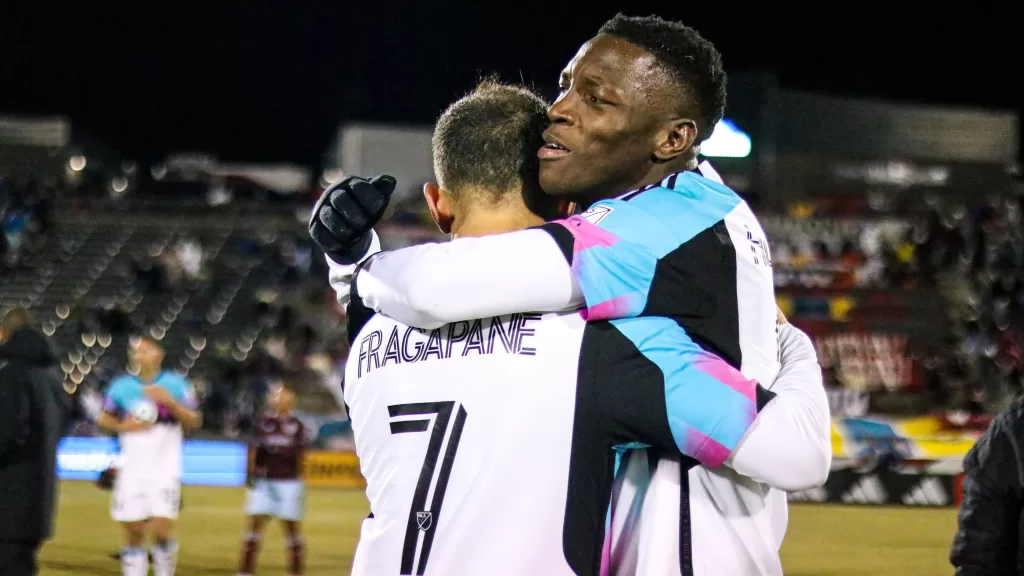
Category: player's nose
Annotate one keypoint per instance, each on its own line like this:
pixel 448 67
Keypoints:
pixel 560 112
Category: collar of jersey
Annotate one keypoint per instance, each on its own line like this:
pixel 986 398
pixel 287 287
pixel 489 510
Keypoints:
pixel 704 169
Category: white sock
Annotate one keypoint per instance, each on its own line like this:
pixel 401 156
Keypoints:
pixel 134 562
pixel 165 558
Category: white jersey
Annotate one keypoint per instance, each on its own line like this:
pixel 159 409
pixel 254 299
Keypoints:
pixel 155 452
pixel 463 435
pixel 679 270
pixel 737 523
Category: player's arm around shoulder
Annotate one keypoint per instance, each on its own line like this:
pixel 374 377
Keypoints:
pixel 789 446
pixel 340 276
pixel 430 285
pixel 612 249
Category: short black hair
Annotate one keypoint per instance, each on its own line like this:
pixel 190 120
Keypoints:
pixel 693 62
pixel 489 138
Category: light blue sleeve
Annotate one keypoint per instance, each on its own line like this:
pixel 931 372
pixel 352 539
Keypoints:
pixel 112 401
pixel 184 392
pixel 618 244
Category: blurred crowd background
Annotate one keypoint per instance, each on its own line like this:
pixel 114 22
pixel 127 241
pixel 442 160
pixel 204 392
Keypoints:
pixel 916 302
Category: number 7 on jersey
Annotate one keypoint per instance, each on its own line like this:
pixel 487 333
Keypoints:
pixel 422 519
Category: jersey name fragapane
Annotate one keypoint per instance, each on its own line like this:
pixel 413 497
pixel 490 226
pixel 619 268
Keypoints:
pixel 641 380
pixel 463 435
pixel 155 452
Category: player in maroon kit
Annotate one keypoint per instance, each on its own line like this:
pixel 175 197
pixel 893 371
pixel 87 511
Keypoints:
pixel 275 489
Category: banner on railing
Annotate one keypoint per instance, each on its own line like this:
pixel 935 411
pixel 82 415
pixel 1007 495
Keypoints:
pixel 850 486
pixel 204 462
pixel 866 361
pixel 333 470
pixel 916 438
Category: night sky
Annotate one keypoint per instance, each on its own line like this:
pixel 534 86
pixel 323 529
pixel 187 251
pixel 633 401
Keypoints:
pixel 270 81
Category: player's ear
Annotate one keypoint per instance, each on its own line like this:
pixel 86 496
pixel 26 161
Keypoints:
pixel 566 208
pixel 440 207
pixel 674 139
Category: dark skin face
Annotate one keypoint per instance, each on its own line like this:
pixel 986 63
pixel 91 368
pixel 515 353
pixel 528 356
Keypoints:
pixel 616 126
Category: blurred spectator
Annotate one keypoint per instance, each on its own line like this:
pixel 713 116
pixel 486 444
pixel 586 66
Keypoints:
pixel 33 414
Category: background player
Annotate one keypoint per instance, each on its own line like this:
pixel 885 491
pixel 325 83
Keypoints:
pixel 275 487
pixel 149 412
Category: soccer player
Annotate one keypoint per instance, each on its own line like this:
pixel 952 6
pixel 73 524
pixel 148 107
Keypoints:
pixel 673 257
pixel 149 412
pixel 431 409
pixel 276 489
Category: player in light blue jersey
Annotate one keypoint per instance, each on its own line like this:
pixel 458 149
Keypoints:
pixel 149 411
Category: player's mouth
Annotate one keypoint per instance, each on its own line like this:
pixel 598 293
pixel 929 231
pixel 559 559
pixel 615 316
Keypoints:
pixel 552 148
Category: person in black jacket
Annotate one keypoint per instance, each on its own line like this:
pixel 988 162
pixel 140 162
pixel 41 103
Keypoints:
pixel 991 520
pixel 33 407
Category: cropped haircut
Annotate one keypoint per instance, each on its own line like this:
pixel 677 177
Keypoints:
pixel 693 63
pixel 488 141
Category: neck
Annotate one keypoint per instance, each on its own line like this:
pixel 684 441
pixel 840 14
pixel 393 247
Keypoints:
pixel 149 374
pixel 655 174
pixel 484 221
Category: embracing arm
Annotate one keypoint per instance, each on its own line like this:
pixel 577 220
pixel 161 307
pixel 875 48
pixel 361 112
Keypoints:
pixel 340 275
pixel 789 446
pixel 430 285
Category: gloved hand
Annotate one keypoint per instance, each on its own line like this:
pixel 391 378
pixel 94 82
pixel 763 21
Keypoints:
pixel 346 213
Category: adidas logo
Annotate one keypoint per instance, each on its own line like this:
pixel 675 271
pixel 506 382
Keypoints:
pixel 928 493
pixel 818 494
pixel 867 490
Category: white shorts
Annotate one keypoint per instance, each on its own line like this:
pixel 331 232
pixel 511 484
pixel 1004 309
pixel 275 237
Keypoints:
pixel 284 499
pixel 137 499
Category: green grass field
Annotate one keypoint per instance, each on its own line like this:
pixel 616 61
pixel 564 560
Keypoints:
pixel 822 540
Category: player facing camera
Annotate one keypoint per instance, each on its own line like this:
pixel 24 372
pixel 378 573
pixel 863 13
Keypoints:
pixel 275 489
pixel 149 409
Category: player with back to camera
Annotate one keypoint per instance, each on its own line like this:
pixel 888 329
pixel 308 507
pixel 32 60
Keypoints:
pixel 670 255
pixel 149 412
pixel 431 409
pixel 275 487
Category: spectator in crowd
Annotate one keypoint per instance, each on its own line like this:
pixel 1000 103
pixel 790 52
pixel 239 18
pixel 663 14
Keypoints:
pixel 33 410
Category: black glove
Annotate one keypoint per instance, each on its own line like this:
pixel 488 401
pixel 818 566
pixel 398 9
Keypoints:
pixel 346 213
